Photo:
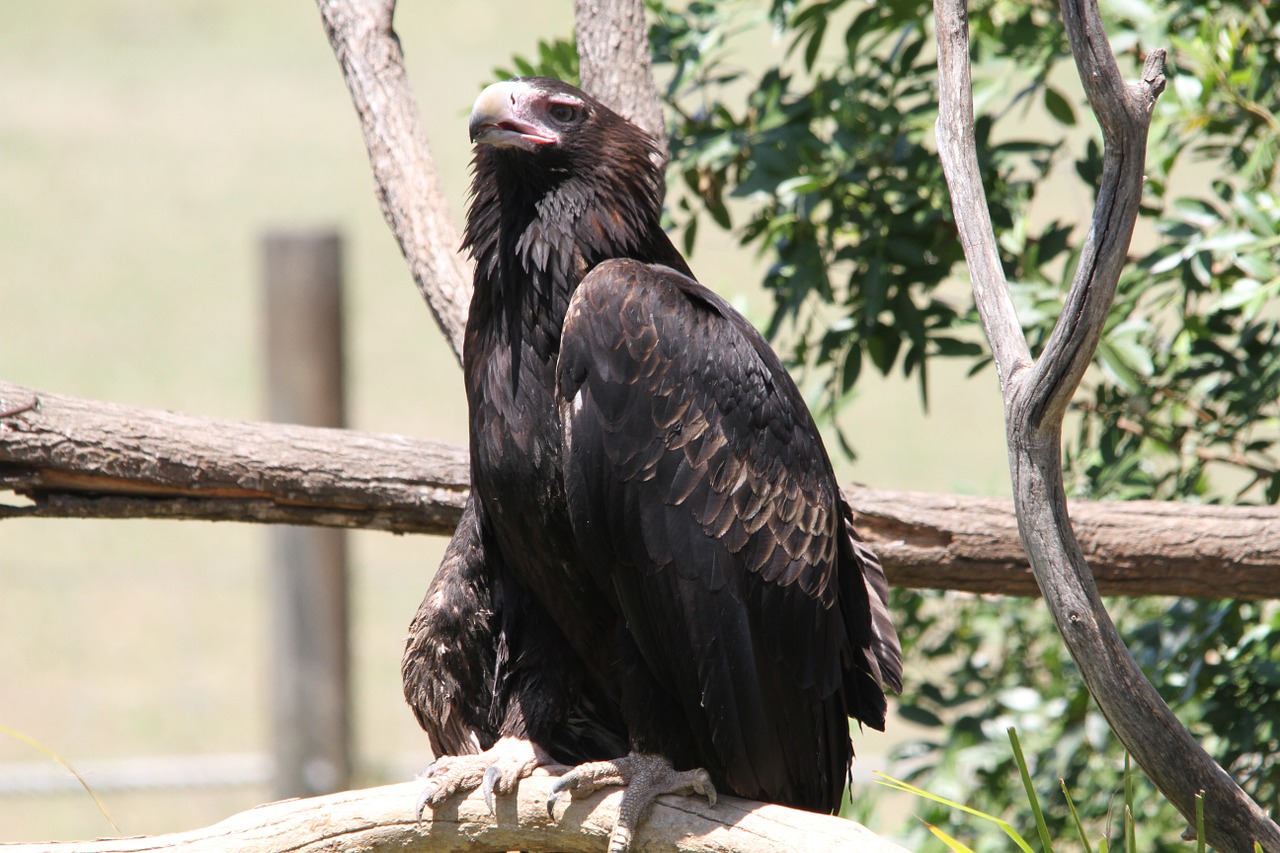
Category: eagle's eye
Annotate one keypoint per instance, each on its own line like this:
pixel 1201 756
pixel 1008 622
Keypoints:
pixel 561 112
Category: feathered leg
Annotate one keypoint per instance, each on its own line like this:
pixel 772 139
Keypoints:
pixel 493 716
pixel 648 771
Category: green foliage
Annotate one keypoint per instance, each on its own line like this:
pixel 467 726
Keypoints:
pixel 1185 401
pixel 828 170
pixel 978 669
pixel 556 58
pixel 1046 836
pixel 1219 664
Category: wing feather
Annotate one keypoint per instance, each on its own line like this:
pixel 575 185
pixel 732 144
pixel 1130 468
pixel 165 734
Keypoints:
pixel 701 496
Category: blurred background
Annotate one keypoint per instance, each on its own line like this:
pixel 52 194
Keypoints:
pixel 145 149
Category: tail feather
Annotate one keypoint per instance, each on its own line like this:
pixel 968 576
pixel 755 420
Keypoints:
pixel 877 655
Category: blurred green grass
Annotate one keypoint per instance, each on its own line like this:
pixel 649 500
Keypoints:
pixel 144 148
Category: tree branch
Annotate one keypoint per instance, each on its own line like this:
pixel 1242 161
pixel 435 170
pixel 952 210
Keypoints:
pixel 1036 399
pixel 381 819
pixel 83 459
pixel 615 63
pixel 1124 114
pixel 78 458
pixel 1135 548
pixel 959 156
pixel 404 174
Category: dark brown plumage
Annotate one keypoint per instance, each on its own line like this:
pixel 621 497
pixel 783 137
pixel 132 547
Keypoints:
pixel 655 555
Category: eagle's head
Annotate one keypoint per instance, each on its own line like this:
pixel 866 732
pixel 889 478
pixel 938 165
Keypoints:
pixel 563 178
pixel 552 125
pixel 533 113
pixel 541 115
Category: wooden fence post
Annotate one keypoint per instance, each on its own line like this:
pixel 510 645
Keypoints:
pixel 311 727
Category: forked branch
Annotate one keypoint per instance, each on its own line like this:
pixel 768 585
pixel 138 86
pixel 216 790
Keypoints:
pixel 1036 395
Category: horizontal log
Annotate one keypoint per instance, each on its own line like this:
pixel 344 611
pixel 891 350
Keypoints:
pixel 75 458
pixel 382 819
pixel 1134 548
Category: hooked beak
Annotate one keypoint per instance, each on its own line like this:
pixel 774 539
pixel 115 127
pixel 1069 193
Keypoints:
pixel 495 119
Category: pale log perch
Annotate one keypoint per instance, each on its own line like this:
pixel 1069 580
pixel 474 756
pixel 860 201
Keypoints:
pixel 382 819
pixel 83 459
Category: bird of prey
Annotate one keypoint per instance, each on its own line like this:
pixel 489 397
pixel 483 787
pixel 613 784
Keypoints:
pixel 656 578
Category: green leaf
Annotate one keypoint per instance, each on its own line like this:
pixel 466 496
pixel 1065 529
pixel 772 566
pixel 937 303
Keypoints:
pixel 1130 837
pixel 1075 817
pixel 800 184
pixel 815 43
pixel 1126 361
pixel 883 346
pixel 898 785
pixel 1227 240
pixel 1021 760
pixel 716 207
pixel 851 368
pixel 1240 294
pixel 1168 262
pixel 1197 212
pixel 1200 842
pixel 1058 106
pixel 690 234
pixel 1261 266
pixel 954 348
pixel 919 716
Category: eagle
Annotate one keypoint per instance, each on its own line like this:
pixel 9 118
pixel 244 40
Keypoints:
pixel 656 580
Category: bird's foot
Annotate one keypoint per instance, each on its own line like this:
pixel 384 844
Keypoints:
pixel 646 777
pixel 494 771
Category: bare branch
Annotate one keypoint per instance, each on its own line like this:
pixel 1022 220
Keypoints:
pixel 381 819
pixel 1036 399
pixel 82 459
pixel 959 157
pixel 1124 114
pixel 404 173
pixel 613 41
pixel 614 61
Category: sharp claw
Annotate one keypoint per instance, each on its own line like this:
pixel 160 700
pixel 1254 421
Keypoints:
pixel 703 785
pixel 564 783
pixel 426 771
pixel 558 787
pixel 423 799
pixel 486 786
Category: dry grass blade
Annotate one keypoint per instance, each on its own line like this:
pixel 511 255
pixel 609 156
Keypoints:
pixel 102 807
